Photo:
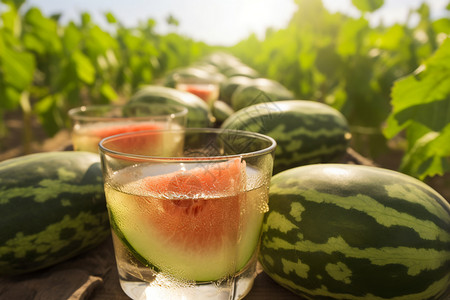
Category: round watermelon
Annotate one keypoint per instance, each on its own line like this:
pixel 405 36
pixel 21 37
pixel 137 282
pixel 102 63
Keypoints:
pixel 260 90
pixel 199 113
pixel 306 132
pixel 338 231
pixel 52 208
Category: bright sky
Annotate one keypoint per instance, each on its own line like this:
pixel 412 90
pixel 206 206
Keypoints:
pixel 220 22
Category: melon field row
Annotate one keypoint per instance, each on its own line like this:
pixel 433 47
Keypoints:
pixel 390 82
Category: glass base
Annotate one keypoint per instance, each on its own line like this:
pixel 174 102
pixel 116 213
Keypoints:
pixel 161 287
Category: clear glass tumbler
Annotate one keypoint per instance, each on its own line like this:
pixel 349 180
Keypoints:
pixel 186 221
pixel 95 122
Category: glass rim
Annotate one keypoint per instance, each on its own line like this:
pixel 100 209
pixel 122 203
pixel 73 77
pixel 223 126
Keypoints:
pixel 266 150
pixel 74 113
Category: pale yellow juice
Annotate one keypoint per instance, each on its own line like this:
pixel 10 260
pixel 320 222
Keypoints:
pixel 86 137
pixel 186 239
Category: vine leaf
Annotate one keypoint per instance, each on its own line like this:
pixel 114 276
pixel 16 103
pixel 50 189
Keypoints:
pixel 422 99
pixel 368 5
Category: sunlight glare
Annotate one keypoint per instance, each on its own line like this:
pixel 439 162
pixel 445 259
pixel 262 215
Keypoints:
pixel 336 171
pixel 250 16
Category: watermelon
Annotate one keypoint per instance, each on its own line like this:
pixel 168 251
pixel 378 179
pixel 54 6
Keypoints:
pixel 189 72
pixel 199 113
pixel 337 231
pixel 229 85
pixel 186 72
pixel 221 60
pixel 197 71
pixel 52 209
pixel 306 132
pixel 259 91
pixel 240 70
pixel 221 111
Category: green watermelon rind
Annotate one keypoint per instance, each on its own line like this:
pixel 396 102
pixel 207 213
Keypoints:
pixel 52 209
pixel 260 91
pixel 229 86
pixel 153 252
pixel 221 111
pixel 338 231
pixel 306 132
pixel 115 228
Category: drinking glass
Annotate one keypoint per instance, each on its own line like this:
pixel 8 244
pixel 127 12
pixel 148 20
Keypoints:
pixel 95 122
pixel 207 89
pixel 186 220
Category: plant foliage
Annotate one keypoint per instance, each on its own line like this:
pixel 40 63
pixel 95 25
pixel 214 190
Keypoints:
pixel 47 68
pixel 390 82
pixel 371 74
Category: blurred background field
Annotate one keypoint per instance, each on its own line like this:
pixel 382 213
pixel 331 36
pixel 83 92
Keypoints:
pixel 384 64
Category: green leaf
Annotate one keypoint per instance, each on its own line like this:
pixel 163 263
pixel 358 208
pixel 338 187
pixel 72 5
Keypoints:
pixel 108 92
pixel 110 18
pixel 441 58
pixel 83 67
pixel 39 28
pixel 442 26
pixel 85 19
pixel 433 149
pixel 421 107
pixel 10 97
pixel 34 44
pixel 392 38
pixel 11 21
pixel 414 133
pixel 45 109
pixel 349 39
pixel 72 37
pixel 56 17
pixel 328 61
pixel 171 20
pixel 18 68
pixel 434 115
pixel 151 23
pixel 132 42
pixel 440 146
pixel 98 42
pixel 14 3
pixel 422 96
pixel 424 11
pixel 368 5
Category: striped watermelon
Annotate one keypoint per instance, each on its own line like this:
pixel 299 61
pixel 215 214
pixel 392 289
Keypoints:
pixel 52 207
pixel 221 111
pixel 306 131
pixel 240 70
pixel 229 86
pixel 258 91
pixel 186 72
pixel 199 71
pixel 199 113
pixel 338 231
pixel 221 60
